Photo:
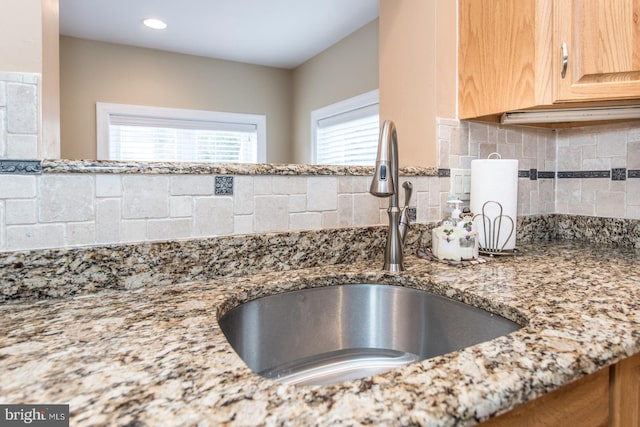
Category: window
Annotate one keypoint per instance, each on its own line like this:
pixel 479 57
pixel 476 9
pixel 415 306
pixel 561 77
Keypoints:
pixel 346 133
pixel 132 132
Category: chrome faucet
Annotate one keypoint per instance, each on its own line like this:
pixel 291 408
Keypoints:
pixel 385 184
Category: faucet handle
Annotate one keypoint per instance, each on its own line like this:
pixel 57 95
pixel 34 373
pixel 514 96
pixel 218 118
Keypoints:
pixel 408 190
pixel 403 226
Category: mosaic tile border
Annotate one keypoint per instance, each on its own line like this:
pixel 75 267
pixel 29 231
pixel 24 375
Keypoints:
pixel 585 174
pixel 30 167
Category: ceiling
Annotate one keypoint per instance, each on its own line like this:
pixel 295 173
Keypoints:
pixel 277 33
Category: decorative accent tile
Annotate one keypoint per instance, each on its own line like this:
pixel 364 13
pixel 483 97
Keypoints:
pixel 21 166
pixel 585 174
pixel 533 174
pixel 224 185
pixel 444 173
pixel 633 173
pixel 523 174
pixel 619 174
pixel 546 175
pixel 413 214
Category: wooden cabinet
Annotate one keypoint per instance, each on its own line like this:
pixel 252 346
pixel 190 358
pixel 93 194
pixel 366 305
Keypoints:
pixel 625 393
pixel 603 45
pixel 510 54
pixel 609 397
pixel 583 403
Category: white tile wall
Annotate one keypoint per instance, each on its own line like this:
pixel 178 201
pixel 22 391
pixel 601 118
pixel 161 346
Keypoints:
pixel 19 115
pixel 461 142
pixel 58 210
pixel 55 210
pixel 599 148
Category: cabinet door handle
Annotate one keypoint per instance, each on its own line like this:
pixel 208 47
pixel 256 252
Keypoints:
pixel 565 59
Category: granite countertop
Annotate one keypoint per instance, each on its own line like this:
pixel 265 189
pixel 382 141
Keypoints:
pixel 194 168
pixel 156 356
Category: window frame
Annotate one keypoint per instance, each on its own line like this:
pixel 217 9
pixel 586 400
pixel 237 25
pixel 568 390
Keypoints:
pixel 104 110
pixel 356 102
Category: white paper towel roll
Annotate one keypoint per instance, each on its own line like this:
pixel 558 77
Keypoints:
pixel 495 180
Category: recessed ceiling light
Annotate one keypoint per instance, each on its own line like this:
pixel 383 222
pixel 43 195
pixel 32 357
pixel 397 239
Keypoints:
pixel 156 24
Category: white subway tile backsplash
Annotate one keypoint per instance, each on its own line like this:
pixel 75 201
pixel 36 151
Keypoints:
pixel 633 154
pixel 108 185
pixel 80 233
pixel 361 184
pixel 180 206
pixel 22 108
pixel 242 224
pixel 108 220
pixel 243 196
pixel 172 228
pixel 262 185
pixel 610 203
pixel 271 213
pixel 3 228
pixel 38 236
pixel 19 116
pixel 213 216
pixel 345 185
pixel 322 193
pixel 21 211
pixel 289 185
pixel 305 221
pixel 3 93
pixel 611 143
pixel 345 210
pixel 596 164
pixel 52 210
pixel 133 231
pixel 330 219
pixel 66 198
pixel 298 203
pixel 3 133
pixel 145 197
pixel 192 185
pixel 21 146
pixel 17 186
pixel 366 210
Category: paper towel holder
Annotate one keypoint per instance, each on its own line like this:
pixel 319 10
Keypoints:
pixel 492 236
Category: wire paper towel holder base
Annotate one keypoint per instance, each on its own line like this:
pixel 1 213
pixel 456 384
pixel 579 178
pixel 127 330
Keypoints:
pixel 492 231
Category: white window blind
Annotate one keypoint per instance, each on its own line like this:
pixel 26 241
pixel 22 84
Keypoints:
pixel 346 133
pixel 178 135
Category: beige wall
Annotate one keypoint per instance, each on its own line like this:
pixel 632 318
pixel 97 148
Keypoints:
pixel 346 69
pixel 21 36
pixel 417 73
pixel 93 72
pixel 29 44
pixel 101 72
pixel 50 146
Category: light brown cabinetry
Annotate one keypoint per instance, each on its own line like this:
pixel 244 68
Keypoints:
pixel 609 397
pixel 625 393
pixel 511 54
pixel 603 46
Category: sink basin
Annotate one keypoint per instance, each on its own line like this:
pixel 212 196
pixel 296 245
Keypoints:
pixel 326 335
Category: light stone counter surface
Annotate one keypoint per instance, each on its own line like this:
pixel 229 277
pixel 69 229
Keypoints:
pixel 195 168
pixel 156 356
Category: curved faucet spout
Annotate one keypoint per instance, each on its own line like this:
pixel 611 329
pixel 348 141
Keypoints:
pixel 385 184
pixel 385 179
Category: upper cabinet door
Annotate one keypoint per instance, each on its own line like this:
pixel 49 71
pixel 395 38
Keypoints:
pixel 601 41
pixel 504 55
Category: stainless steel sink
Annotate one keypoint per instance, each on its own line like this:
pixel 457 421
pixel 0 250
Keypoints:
pixel 336 333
